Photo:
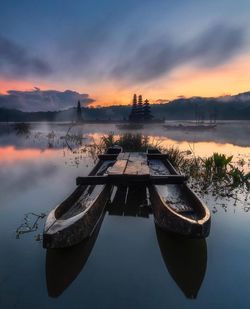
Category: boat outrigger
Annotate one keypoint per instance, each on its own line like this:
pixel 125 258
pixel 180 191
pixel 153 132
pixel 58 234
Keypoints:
pixel 176 207
pixel 77 216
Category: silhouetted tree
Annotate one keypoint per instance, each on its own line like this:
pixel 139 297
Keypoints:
pixel 147 111
pixel 139 111
pixel 132 116
pixel 79 112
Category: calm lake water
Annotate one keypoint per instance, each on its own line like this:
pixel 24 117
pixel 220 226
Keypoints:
pixel 127 263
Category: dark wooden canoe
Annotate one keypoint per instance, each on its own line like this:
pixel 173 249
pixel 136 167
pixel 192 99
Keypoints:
pixel 176 207
pixel 185 259
pixel 64 265
pixel 76 217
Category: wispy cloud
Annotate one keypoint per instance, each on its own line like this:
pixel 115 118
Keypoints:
pixel 155 58
pixel 17 61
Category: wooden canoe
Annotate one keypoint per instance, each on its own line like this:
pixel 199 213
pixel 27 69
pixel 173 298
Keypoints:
pixel 176 207
pixel 185 259
pixel 77 216
pixel 64 265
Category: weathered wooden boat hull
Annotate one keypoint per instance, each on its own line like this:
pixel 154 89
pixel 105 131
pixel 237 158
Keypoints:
pixel 81 228
pixel 166 218
pixel 170 220
pixel 60 232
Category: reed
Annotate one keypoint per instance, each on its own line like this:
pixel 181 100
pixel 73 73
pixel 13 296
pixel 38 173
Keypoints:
pixel 217 171
pixel 22 128
pixel 128 141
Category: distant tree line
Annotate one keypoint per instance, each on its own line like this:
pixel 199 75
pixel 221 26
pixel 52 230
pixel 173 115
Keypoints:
pixel 197 108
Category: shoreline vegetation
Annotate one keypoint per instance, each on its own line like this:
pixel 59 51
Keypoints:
pixel 217 173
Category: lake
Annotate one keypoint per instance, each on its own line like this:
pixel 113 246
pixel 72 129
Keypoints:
pixel 128 263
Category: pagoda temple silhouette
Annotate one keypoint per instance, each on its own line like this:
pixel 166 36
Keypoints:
pixel 140 111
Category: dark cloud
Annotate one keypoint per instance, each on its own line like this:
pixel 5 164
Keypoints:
pixel 42 100
pixel 16 61
pixel 155 58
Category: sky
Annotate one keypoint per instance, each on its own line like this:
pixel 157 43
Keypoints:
pixel 53 53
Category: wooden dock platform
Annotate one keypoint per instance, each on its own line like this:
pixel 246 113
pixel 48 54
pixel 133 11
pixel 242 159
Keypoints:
pixel 131 168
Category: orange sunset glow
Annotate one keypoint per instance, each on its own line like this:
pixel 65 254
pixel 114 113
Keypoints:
pixel 228 79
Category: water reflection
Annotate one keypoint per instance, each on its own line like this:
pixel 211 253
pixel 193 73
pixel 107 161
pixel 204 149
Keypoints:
pixel 64 265
pixel 185 259
pixel 129 201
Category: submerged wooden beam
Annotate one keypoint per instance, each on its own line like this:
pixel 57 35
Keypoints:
pixel 131 179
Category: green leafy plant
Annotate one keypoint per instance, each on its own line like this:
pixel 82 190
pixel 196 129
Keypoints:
pixel 220 164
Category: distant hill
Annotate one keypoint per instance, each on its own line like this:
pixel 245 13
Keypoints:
pixel 235 107
pixel 225 108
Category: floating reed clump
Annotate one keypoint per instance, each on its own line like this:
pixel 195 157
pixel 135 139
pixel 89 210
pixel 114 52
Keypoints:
pixel 22 128
pixel 128 141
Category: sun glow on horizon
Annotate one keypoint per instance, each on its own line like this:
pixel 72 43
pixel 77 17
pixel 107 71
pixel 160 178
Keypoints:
pixel 227 79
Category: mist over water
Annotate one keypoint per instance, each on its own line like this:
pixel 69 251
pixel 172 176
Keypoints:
pixel 128 263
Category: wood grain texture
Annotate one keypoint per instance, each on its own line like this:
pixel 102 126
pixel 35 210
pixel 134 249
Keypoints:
pixel 137 164
pixel 118 168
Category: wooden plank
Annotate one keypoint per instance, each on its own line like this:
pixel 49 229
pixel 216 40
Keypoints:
pixel 137 164
pixel 105 157
pixel 131 179
pixel 128 179
pixel 123 156
pixel 118 168
pixel 120 165
pixel 159 156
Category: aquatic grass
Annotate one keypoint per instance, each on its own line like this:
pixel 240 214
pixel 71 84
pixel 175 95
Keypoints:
pixel 239 178
pixel 220 164
pixel 133 142
pixel 216 173
pixel 128 141
pixel 175 156
pixel 108 141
